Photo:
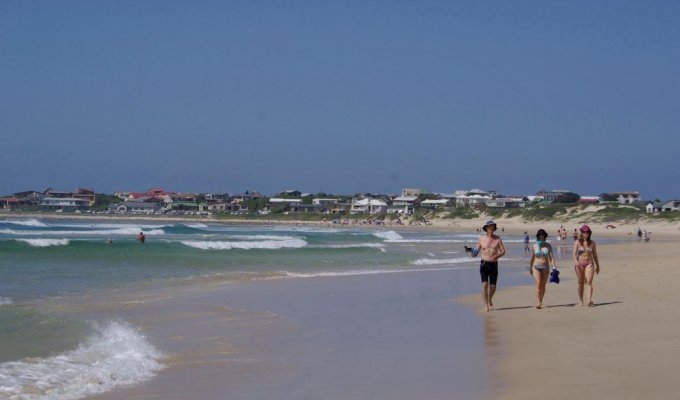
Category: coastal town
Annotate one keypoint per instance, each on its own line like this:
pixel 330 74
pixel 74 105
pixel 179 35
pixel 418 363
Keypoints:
pixel 158 201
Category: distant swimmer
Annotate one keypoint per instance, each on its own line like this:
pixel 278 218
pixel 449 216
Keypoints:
pixel 109 241
pixel 141 237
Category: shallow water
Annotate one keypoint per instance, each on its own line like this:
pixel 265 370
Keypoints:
pixel 68 295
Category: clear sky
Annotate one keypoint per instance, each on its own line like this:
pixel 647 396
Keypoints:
pixel 340 96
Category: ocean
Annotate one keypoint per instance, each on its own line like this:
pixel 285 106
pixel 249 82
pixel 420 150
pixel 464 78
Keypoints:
pixel 69 288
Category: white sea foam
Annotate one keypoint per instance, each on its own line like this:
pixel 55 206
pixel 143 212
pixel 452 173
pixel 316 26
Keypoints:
pixel 438 261
pixel 5 301
pixel 197 225
pixel 116 355
pixel 426 241
pixel 388 235
pixel 332 274
pixel 246 245
pixel 349 246
pixel 111 226
pixel 261 237
pixel 128 231
pixel 27 222
pixel 45 242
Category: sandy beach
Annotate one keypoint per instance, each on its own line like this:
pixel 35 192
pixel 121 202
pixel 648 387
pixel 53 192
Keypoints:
pixel 626 347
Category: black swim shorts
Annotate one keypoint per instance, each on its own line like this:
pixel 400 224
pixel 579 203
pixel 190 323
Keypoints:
pixel 489 271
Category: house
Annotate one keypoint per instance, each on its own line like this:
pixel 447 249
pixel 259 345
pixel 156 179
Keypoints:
pixel 278 201
pixel 473 198
pixel 224 207
pixel 307 208
pixel 49 192
pixel 404 201
pixel 324 202
pixel 551 195
pixel 29 197
pixel 650 207
pixel 670 205
pixel 216 197
pixel 186 206
pixel 627 197
pixel 291 193
pixel 63 203
pixel 368 206
pixel 507 202
pixel 433 203
pixel 137 207
pixel 9 202
pixel 86 194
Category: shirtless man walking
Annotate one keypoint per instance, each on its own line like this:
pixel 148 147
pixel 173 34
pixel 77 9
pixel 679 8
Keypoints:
pixel 490 248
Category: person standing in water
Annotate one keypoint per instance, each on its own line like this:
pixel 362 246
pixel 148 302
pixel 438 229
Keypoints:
pixel 490 248
pixel 586 264
pixel 526 242
pixel 141 238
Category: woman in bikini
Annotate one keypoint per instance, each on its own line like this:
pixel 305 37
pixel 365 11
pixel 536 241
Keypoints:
pixel 586 263
pixel 539 265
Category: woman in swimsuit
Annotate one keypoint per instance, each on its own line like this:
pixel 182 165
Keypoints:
pixel 539 265
pixel 586 263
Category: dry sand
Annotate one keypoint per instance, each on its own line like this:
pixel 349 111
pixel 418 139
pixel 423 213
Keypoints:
pixel 626 347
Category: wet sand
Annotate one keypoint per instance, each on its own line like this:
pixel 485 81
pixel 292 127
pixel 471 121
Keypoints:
pixel 626 347
pixel 395 336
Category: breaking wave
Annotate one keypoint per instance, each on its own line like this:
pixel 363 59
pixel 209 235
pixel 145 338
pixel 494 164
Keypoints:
pixel 439 261
pixel 115 355
pixel 271 244
pixel 45 242
pixel 388 235
pixel 27 222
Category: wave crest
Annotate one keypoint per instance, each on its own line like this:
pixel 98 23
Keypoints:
pixel 26 222
pixel 45 242
pixel 436 261
pixel 246 245
pixel 116 355
pixel 388 235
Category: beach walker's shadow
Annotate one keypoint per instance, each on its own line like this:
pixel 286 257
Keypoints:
pixel 606 304
pixel 557 306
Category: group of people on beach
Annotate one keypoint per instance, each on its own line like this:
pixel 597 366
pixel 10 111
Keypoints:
pixel 490 248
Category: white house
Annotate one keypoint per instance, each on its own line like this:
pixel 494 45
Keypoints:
pixel 671 205
pixel 69 203
pixel 626 197
pixel 281 201
pixel 368 206
pixel 650 208
pixel 404 200
pixel 472 199
pixel 324 202
pixel 433 203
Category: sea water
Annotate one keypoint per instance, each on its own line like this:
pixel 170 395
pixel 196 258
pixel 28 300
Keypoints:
pixel 66 355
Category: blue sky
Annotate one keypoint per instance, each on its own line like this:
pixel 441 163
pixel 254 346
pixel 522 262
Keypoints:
pixel 340 96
